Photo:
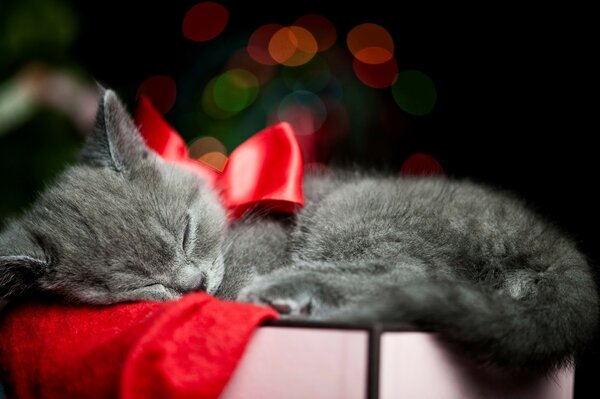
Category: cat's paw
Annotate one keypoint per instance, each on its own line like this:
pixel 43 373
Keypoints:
pixel 293 294
pixel 286 306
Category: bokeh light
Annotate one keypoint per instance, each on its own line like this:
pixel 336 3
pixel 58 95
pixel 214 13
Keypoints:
pixel 204 145
pixel 258 44
pixel 208 102
pixel 377 76
pixel 292 46
pixel 313 76
pixel 210 151
pixel 420 164
pixel 235 90
pixel 370 43
pixel 160 90
pixel 373 55
pixel 414 92
pixel 321 28
pixel 205 21
pixel 304 110
pixel 240 59
pixel 283 45
pixel 216 160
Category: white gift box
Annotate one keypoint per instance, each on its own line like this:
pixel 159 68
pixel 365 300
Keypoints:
pixel 314 360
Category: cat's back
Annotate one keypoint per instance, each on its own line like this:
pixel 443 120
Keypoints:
pixel 437 219
pixel 410 201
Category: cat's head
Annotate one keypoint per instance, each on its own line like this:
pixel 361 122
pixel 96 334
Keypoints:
pixel 121 225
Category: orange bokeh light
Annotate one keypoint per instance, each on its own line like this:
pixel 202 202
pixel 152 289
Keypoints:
pixel 321 28
pixel 205 145
pixel 210 151
pixel 216 160
pixel 293 46
pixel 258 44
pixel 370 43
pixel 205 21
pixel 374 55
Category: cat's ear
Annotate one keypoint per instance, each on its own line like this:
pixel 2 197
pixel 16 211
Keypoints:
pixel 22 263
pixel 115 142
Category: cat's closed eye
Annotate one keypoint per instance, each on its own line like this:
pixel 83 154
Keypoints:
pixel 189 235
pixel 124 225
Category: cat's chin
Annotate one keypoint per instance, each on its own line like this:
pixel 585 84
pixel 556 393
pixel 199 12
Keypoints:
pixel 155 292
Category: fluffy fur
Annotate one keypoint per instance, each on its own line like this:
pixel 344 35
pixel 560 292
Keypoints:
pixel 122 225
pixel 454 257
pixel 467 261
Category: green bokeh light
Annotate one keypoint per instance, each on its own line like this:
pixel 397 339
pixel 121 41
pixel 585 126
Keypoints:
pixel 35 30
pixel 414 92
pixel 235 90
pixel 208 102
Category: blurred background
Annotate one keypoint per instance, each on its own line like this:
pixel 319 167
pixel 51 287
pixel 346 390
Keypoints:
pixel 497 94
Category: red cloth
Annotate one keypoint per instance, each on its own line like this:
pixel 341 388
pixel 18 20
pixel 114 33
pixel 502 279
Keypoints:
pixel 180 349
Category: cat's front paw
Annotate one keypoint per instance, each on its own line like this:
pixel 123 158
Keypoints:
pixel 299 306
pixel 293 294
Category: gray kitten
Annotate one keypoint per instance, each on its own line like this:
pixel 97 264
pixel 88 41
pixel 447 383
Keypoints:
pixel 453 257
pixel 469 262
pixel 122 225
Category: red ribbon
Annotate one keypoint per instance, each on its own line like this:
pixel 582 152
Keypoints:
pixel 265 170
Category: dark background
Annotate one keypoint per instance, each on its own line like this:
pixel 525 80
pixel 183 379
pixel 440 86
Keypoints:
pixel 514 85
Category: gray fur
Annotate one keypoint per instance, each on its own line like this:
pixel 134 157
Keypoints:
pixel 112 228
pixel 454 257
pixel 465 260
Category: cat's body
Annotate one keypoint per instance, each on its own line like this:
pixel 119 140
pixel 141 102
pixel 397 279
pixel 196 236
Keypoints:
pixel 450 256
pixel 454 257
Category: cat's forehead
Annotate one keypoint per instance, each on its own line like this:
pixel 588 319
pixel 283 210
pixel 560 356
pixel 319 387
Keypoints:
pixel 151 182
pixel 164 189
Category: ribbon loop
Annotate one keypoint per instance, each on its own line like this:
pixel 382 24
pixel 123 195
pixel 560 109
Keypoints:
pixel 264 171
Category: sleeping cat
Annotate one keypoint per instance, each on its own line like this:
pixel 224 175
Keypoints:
pixel 454 257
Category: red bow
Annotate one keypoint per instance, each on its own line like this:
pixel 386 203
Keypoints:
pixel 265 170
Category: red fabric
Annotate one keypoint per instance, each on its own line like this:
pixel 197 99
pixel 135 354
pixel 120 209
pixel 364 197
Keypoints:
pixel 264 170
pixel 180 349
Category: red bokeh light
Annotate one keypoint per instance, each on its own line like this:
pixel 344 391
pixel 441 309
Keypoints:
pixel 258 44
pixel 378 76
pixel 321 28
pixel 421 164
pixel 205 21
pixel 160 90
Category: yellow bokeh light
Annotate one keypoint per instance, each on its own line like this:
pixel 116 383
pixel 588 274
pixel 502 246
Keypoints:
pixel 293 46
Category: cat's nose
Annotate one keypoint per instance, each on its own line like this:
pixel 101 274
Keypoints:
pixel 190 278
